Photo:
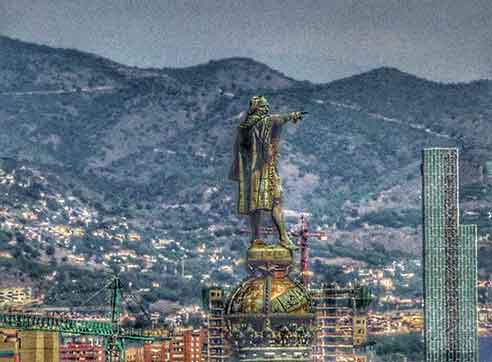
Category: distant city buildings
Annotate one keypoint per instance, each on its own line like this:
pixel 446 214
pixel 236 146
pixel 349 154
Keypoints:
pixel 179 345
pixel 89 352
pixel 450 264
pixel 450 279
pixel 185 345
pixel 15 296
pixel 395 322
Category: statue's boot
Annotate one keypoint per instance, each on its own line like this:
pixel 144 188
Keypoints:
pixel 287 243
pixel 278 220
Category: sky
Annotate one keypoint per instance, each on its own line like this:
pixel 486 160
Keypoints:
pixel 316 40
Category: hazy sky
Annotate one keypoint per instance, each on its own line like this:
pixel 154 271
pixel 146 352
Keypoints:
pixel 319 40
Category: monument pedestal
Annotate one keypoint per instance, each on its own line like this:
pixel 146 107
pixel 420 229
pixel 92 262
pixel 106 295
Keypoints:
pixel 269 315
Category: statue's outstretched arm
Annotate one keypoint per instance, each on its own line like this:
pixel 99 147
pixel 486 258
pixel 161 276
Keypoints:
pixel 286 117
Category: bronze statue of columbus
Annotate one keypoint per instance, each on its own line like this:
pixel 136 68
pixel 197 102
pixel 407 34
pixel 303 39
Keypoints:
pixel 256 154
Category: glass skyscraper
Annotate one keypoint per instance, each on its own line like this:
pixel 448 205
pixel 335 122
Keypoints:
pixel 450 264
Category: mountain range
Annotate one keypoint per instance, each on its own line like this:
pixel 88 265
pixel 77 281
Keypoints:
pixel 155 145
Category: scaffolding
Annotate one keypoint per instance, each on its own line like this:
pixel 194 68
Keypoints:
pixel 341 319
pixel 217 345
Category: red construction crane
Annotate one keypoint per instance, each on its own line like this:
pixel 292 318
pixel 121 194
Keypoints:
pixel 303 234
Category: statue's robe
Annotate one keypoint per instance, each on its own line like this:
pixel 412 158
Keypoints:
pixel 254 165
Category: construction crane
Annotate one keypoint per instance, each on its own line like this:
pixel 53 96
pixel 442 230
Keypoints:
pixel 114 334
pixel 302 233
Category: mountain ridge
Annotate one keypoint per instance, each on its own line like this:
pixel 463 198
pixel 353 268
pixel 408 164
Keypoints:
pixel 382 69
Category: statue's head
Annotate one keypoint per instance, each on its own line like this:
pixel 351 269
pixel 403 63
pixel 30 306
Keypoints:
pixel 258 104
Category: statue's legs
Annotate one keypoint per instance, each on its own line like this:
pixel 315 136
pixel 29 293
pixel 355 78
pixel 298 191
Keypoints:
pixel 255 222
pixel 279 222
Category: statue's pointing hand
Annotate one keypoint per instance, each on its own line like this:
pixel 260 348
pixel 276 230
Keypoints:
pixel 297 116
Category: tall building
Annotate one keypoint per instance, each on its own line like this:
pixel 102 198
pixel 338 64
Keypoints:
pixel 450 264
pixel 89 352
pixel 341 319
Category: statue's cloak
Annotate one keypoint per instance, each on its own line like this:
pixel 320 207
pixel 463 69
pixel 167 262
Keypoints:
pixel 254 166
